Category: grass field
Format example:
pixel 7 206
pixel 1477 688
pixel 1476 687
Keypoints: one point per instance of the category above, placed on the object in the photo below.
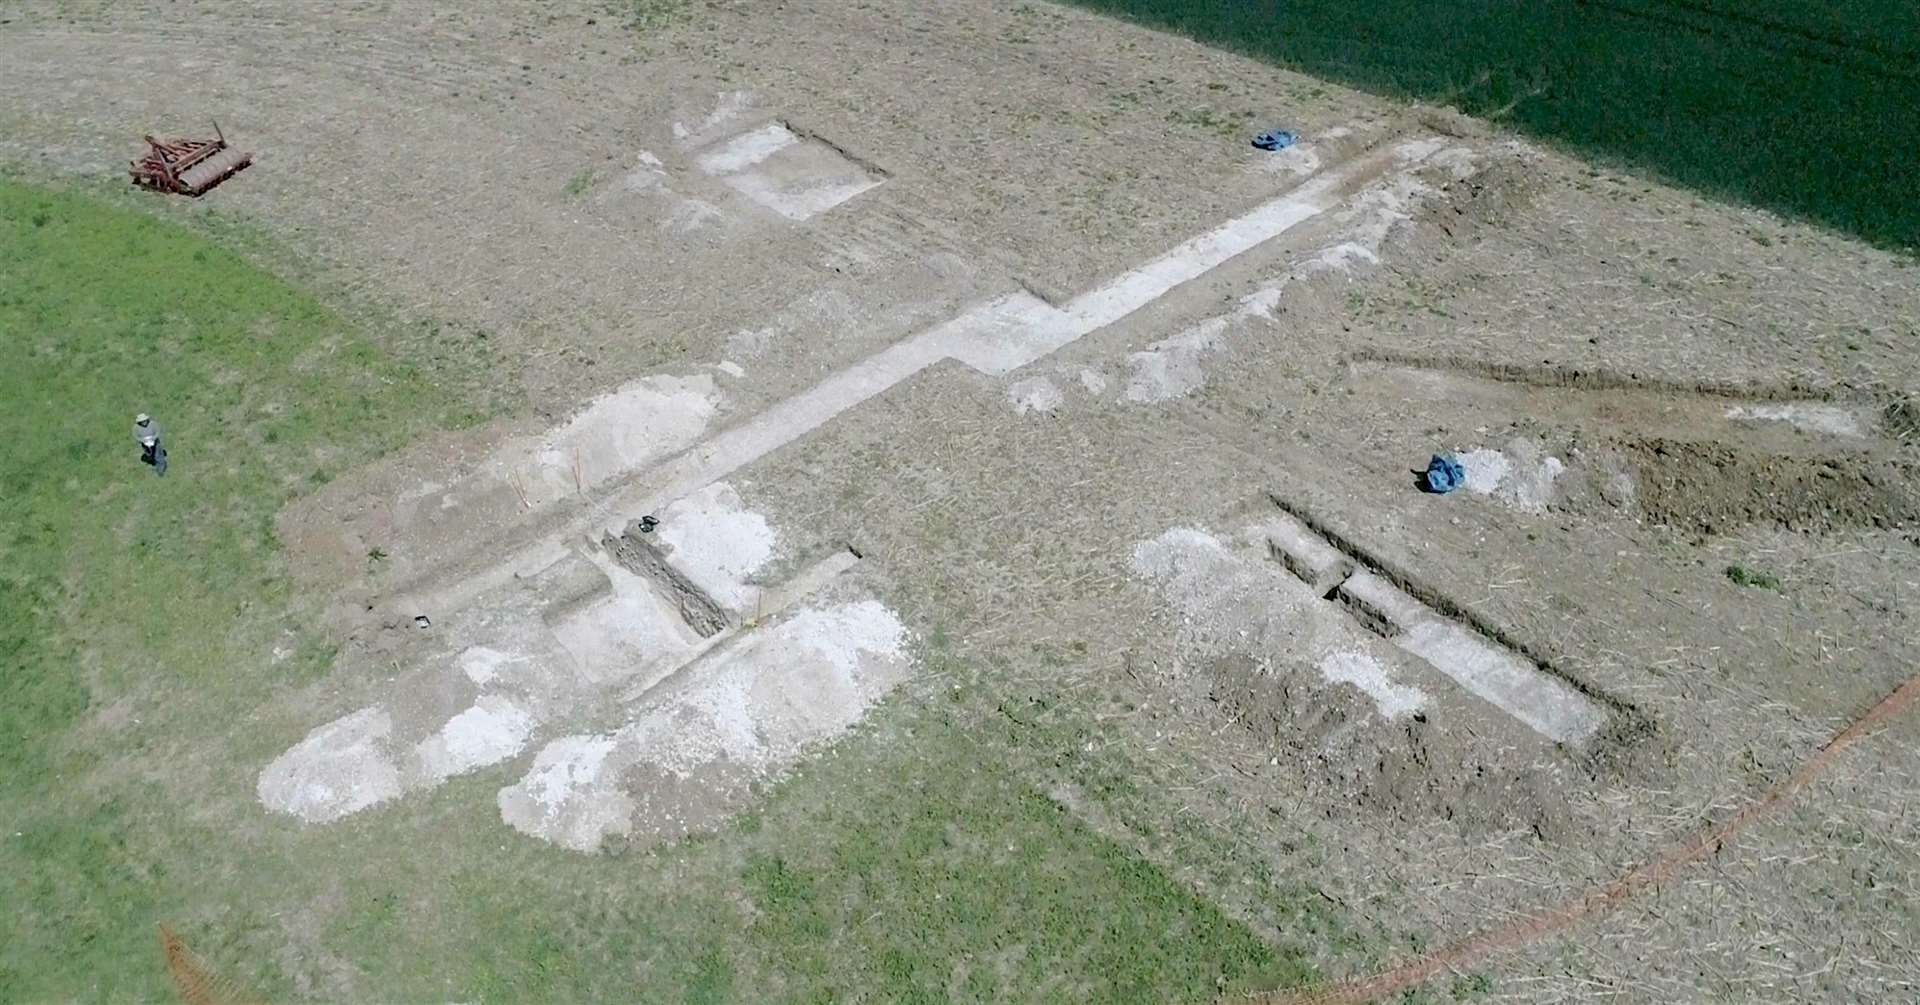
pixel 126 599
pixel 138 616
pixel 1804 108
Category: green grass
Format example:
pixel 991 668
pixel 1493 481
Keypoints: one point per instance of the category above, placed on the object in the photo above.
pixel 114 579
pixel 652 15
pixel 1740 575
pixel 138 702
pixel 118 588
pixel 1470 986
pixel 1804 108
pixel 900 869
pixel 578 185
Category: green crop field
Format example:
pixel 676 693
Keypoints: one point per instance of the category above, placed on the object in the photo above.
pixel 1809 109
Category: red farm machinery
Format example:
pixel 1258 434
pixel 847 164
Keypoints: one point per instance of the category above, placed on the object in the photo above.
pixel 188 167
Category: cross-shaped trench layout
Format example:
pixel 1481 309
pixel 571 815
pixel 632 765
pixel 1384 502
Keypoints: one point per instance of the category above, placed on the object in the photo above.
pixel 646 665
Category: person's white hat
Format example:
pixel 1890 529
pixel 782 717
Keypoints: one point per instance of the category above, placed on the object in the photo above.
pixel 143 418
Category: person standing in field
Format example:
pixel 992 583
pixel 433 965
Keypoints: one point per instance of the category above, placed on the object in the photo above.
pixel 146 432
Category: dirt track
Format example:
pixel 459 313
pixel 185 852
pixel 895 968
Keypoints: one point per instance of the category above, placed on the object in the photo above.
pixel 549 182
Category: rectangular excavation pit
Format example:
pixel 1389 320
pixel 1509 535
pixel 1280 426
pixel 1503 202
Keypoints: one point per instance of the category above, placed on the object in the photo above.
pixel 796 176
pixel 1385 609
pixel 643 558
pixel 1305 554
pixel 1510 681
pixel 1362 608
pixel 775 600
pixel 1494 672
pixel 567 586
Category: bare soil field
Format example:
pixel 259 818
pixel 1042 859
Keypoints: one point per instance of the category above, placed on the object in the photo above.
pixel 903 379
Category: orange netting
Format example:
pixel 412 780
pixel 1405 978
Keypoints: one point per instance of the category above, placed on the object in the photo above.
pixel 194 981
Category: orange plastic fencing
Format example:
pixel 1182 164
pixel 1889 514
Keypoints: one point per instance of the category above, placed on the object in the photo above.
pixel 194 981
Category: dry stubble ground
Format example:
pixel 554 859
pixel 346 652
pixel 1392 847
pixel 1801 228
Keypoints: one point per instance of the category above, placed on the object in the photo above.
pixel 1051 148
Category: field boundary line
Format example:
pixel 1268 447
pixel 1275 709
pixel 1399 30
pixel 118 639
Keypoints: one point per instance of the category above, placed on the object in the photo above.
pixel 1704 842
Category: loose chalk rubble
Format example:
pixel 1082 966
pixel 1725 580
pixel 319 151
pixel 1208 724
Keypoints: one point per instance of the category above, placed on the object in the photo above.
pixel 1233 599
pixel 718 543
pixel 1366 673
pixel 689 758
pixel 633 426
pixel 1170 368
pixel 534 652
pixel 1521 477
pixel 1814 417
pixel 1035 394
pixel 493 729
pixel 340 768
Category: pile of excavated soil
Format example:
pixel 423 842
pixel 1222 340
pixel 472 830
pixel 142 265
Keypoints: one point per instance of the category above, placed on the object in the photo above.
pixel 1709 488
pixel 1334 704
pixel 1409 769
pixel 1700 487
